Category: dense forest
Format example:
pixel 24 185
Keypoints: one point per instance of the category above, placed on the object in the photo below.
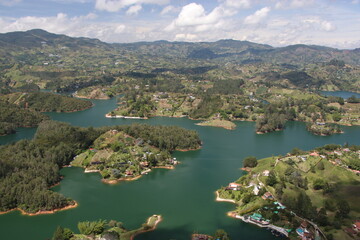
pixel 48 102
pixel 13 116
pixel 28 168
pixel 168 138
pixel 207 107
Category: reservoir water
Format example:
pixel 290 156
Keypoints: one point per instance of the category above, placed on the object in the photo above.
pixel 342 94
pixel 184 196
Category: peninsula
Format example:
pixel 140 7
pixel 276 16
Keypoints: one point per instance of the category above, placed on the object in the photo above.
pixel 305 193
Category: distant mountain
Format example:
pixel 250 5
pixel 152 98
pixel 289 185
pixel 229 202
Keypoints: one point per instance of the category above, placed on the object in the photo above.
pixel 219 51
pixel 38 38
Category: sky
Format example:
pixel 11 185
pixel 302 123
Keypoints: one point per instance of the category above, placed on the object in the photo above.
pixel 333 23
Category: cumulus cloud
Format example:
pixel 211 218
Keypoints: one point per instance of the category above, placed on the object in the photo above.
pixel 168 9
pixel 193 17
pixel 134 10
pixel 116 5
pixel 9 2
pixel 285 4
pixel 257 17
pixel 319 23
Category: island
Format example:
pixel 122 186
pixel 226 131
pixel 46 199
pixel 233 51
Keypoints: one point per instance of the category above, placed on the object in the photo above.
pixel 29 168
pixel 102 229
pixel 270 110
pixel 23 109
pixel 309 194
pixel 119 156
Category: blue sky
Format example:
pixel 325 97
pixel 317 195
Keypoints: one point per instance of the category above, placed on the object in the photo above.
pixel 334 23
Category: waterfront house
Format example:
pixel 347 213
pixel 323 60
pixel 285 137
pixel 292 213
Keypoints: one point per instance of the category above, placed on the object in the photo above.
pixel 234 186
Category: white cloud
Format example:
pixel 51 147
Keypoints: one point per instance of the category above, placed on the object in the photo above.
pixel 320 24
pixel 285 4
pixel 168 9
pixel 355 1
pixel 9 2
pixel 83 26
pixel 257 17
pixel 194 17
pixel 185 37
pixel 72 1
pixel 238 3
pixel 116 5
pixel 134 10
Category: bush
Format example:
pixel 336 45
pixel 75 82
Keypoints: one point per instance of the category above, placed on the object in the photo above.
pixel 250 162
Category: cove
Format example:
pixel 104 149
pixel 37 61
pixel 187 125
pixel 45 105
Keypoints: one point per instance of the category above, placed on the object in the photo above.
pixel 184 196
pixel 342 94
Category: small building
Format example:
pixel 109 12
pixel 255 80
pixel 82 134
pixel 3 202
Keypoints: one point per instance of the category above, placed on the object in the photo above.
pixel 256 189
pixel 304 224
pixel 356 226
pixel 267 195
pixel 234 186
pixel 144 164
pixel 266 173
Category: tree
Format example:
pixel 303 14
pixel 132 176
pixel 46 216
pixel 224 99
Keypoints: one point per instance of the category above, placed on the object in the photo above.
pixel 320 166
pixel 271 179
pixel 296 151
pixel 250 162
pixel 319 184
pixel 220 234
pixel 343 208
pixel 62 234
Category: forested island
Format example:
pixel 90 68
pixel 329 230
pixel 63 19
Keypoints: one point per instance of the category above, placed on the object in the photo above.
pixel 127 152
pixel 12 116
pixel 28 168
pixel 102 229
pixel 306 193
pixel 23 109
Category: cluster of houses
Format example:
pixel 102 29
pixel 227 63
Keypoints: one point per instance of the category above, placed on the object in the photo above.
pixel 303 231
pixel 354 230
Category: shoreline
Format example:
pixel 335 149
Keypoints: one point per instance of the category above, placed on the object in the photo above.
pixel 115 181
pixel 41 212
pixel 165 167
pixel 219 199
pixel 229 125
pixel 189 149
pixel 124 117
pixel 150 229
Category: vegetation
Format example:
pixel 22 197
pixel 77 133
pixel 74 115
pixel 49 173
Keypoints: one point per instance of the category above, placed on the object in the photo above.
pixel 101 229
pixel 13 116
pixel 250 162
pixel 323 129
pixel 47 102
pixel 168 138
pixel 318 185
pixel 28 168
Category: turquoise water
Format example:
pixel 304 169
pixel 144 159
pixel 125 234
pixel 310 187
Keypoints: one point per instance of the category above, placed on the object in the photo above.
pixel 184 196
pixel 342 94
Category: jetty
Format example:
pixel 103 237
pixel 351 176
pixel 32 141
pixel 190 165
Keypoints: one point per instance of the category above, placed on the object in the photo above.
pixel 265 224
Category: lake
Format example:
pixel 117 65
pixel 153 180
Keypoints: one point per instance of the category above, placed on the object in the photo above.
pixel 342 94
pixel 184 197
